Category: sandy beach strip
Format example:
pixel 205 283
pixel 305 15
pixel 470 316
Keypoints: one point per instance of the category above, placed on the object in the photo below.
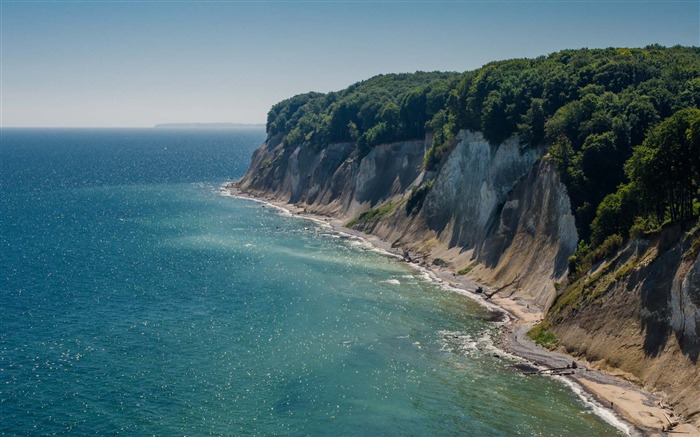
pixel 618 401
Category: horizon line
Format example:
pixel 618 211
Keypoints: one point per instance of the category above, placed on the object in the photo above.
pixel 242 126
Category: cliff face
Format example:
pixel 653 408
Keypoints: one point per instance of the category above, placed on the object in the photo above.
pixel 506 208
pixel 489 207
pixel 335 180
pixel 473 185
pixel 639 313
pixel 502 214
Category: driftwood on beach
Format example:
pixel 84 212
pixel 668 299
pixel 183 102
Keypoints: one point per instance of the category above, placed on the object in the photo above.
pixel 559 371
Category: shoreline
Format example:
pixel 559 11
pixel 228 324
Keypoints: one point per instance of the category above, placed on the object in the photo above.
pixel 619 402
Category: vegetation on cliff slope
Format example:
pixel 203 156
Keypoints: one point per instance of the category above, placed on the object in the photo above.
pixel 648 264
pixel 372 215
pixel 621 125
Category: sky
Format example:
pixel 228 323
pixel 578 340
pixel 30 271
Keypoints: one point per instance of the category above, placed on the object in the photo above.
pixel 139 63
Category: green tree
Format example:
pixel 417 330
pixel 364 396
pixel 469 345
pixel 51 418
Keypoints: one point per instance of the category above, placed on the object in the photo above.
pixel 494 120
pixel 665 168
pixel 615 214
pixel 531 129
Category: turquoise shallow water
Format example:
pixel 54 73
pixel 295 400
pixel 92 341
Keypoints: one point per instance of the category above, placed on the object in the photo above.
pixel 137 300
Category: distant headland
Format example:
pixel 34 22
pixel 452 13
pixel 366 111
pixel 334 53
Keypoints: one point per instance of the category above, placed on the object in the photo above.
pixel 209 126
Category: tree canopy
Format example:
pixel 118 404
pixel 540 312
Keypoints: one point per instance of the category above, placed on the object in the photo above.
pixel 385 108
pixel 619 123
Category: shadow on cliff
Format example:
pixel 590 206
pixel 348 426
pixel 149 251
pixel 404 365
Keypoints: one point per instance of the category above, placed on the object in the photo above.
pixel 656 335
pixel 657 287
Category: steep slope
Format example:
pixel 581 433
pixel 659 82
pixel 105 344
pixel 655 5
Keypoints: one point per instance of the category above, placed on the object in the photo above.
pixel 639 313
pixel 334 180
pixel 500 205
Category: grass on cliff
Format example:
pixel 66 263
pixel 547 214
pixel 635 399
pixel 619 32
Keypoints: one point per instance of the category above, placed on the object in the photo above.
pixel 694 233
pixel 694 249
pixel 372 215
pixel 467 269
pixel 589 288
pixel 584 259
pixel 541 335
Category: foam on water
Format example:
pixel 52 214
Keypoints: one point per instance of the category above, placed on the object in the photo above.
pixel 480 343
pixel 281 211
pixel 430 276
pixel 595 406
pixel 359 243
pixel 470 343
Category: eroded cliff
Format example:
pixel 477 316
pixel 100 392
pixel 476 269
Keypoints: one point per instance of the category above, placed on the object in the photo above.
pixel 336 180
pixel 502 216
pixel 487 209
pixel 639 313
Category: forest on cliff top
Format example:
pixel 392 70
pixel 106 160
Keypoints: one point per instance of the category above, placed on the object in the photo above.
pixel 622 126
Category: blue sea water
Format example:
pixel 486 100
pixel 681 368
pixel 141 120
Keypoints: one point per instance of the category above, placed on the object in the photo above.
pixel 136 300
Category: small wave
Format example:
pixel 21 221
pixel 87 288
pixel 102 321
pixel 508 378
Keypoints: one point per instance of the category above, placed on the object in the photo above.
pixel 225 193
pixel 480 343
pixel 392 281
pixel 385 252
pixel 425 276
pixel 463 342
pixel 598 410
pixel 429 276
pixel 360 244
pixel 469 344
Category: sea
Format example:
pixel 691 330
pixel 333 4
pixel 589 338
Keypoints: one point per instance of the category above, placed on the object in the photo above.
pixel 136 299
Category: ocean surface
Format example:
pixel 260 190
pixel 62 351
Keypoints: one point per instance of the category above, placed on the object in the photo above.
pixel 135 299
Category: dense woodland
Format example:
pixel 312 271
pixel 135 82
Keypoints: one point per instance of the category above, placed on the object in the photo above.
pixel 622 125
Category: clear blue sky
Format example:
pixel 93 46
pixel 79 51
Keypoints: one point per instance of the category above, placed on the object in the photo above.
pixel 138 63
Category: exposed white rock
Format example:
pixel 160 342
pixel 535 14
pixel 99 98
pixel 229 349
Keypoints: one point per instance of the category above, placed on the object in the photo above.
pixel 474 183
pixel 685 293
